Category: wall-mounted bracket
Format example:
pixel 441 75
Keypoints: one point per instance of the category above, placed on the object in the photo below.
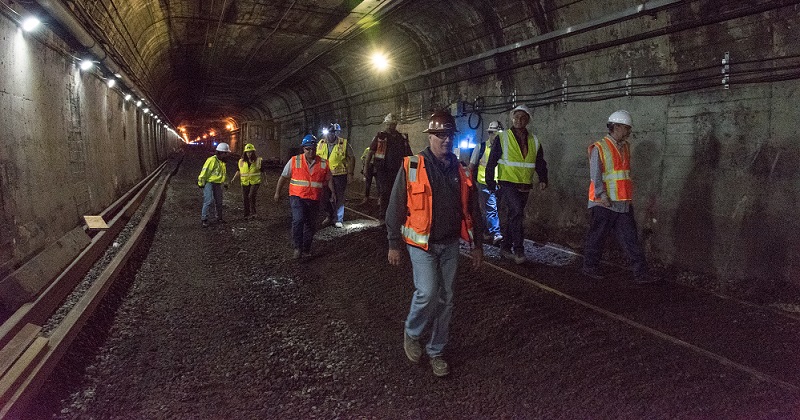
pixel 726 70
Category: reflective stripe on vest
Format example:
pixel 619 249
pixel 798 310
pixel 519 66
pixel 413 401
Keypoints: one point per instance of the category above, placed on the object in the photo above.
pixel 337 158
pixel 380 153
pixel 305 184
pixel 417 228
pixel 482 163
pixel 512 167
pixel 616 171
pixel 250 173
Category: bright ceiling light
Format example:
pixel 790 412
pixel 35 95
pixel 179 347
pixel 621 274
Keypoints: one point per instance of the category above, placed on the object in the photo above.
pixel 138 103
pixel 30 24
pixel 380 61
pixel 128 97
pixel 86 64
pixel 111 82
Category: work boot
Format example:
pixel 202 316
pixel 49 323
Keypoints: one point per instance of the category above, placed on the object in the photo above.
pixel 498 239
pixel 296 254
pixel 412 347
pixel 507 254
pixel 205 223
pixel 519 256
pixel 440 367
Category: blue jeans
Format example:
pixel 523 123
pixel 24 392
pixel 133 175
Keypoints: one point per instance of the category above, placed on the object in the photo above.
pixel 304 222
pixel 488 201
pixel 514 201
pixel 432 303
pixel 212 195
pixel 336 210
pixel 602 221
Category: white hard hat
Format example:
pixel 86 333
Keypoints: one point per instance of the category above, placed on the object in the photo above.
pixel 621 117
pixel 223 147
pixel 522 108
pixel 495 126
pixel 390 118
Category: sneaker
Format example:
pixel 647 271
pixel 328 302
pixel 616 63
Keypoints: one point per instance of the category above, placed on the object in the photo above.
pixel 205 223
pixel 593 273
pixel 412 347
pixel 338 224
pixel 519 257
pixel 497 240
pixel 507 254
pixel 440 367
pixel 296 254
pixel 646 279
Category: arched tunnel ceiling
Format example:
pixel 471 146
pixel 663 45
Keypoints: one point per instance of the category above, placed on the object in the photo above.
pixel 201 62
pixel 208 60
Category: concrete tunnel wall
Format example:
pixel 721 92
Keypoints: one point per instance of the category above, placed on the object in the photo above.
pixel 714 168
pixel 70 144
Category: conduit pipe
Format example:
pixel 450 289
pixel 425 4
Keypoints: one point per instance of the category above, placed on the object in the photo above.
pixel 56 10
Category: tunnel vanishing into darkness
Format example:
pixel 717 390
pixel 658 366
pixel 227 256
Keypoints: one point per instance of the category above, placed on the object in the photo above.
pixel 712 87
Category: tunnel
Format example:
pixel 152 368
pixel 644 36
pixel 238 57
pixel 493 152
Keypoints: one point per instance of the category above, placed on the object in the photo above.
pixel 99 98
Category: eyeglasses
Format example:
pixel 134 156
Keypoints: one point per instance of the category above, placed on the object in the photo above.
pixel 308 148
pixel 442 136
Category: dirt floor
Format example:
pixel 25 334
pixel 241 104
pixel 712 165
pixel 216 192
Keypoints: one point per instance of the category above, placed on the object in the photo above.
pixel 221 323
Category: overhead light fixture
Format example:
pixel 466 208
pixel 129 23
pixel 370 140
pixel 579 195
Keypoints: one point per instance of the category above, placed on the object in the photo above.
pixel 30 23
pixel 128 97
pixel 111 82
pixel 86 64
pixel 139 103
pixel 380 61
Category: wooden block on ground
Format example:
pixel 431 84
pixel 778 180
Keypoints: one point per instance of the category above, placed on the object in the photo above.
pixel 12 351
pixel 19 371
pixel 95 222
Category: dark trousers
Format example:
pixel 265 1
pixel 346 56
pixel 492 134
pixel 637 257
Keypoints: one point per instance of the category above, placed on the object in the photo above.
pixel 370 173
pixel 384 180
pixel 249 194
pixel 513 201
pixel 335 211
pixel 602 221
pixel 304 222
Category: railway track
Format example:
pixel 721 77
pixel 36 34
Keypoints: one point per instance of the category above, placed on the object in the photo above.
pixel 717 356
pixel 29 352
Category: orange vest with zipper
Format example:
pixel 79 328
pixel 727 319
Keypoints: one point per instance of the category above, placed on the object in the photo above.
pixel 417 228
pixel 616 170
pixel 305 184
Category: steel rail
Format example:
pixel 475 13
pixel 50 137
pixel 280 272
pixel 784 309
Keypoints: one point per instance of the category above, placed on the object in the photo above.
pixel 32 368
pixel 764 377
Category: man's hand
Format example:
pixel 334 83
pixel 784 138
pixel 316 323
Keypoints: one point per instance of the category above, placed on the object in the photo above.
pixel 477 257
pixel 605 201
pixel 542 186
pixel 226 184
pixel 349 178
pixel 394 257
pixel 277 196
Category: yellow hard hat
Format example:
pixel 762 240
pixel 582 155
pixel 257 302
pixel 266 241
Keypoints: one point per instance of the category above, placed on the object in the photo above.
pixel 249 147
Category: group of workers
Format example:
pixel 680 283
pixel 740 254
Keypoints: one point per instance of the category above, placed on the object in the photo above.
pixel 430 202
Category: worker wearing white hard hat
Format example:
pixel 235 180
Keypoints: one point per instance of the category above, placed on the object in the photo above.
pixel 386 153
pixel 487 197
pixel 611 198
pixel 211 179
pixel 517 156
